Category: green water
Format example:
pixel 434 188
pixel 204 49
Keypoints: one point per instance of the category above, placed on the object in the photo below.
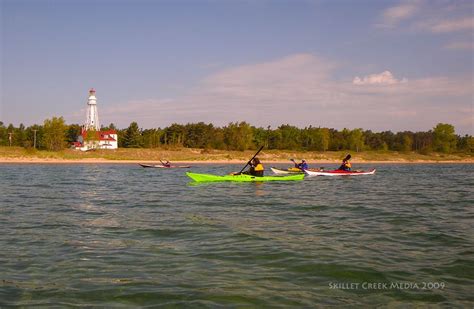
pixel 124 236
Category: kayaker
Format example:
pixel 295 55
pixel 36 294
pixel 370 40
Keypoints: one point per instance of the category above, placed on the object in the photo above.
pixel 166 164
pixel 302 166
pixel 256 168
pixel 346 165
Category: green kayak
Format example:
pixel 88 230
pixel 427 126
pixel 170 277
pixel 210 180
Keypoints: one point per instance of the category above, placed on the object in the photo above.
pixel 241 178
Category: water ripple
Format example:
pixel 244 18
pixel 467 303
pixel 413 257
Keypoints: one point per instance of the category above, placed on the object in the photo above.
pixel 123 236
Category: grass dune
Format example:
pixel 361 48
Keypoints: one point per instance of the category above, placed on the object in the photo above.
pixel 19 154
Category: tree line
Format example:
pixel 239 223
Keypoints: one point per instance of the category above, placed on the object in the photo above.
pixel 54 134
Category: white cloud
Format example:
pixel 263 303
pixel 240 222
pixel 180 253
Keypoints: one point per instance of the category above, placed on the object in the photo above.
pixel 395 14
pixel 294 76
pixel 384 78
pixel 469 45
pixel 300 90
pixel 432 17
pixel 460 24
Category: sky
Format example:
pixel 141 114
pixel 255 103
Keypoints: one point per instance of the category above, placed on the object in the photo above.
pixel 376 65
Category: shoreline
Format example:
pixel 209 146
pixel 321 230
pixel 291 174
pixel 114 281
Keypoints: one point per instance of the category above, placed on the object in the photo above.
pixel 233 161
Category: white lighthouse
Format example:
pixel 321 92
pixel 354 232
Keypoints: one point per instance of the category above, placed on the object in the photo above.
pixel 92 121
pixel 91 136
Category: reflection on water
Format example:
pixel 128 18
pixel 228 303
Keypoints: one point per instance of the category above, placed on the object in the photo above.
pixel 121 236
pixel 259 189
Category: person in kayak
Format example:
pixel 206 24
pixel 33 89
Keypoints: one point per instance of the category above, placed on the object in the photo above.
pixel 256 168
pixel 166 163
pixel 346 165
pixel 302 166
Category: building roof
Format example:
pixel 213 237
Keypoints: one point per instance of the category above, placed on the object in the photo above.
pixel 108 135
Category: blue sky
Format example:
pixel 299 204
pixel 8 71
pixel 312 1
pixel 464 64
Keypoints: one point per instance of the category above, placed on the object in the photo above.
pixel 379 65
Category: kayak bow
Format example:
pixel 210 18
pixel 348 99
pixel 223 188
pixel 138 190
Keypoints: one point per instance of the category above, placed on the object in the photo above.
pixel 241 177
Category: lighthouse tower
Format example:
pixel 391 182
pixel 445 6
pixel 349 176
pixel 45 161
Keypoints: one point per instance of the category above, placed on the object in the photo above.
pixel 92 121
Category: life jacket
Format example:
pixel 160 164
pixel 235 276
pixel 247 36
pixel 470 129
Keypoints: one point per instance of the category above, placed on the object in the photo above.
pixel 346 166
pixel 258 167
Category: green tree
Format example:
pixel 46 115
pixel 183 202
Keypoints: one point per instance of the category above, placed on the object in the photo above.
pixel 111 126
pixel 290 137
pixel 121 137
pixel 20 136
pixel 238 136
pixel 274 139
pixel 337 140
pixel 218 139
pixel 374 141
pixel 407 143
pixel 260 136
pixel 403 141
pixel 470 144
pixel 355 140
pixel 73 131
pixel 198 135
pixel 423 142
pixel 388 139
pixel 315 138
pixel 465 143
pixel 54 135
pixel 444 138
pixel 133 136
pixel 174 135
pixel 152 138
pixel 3 135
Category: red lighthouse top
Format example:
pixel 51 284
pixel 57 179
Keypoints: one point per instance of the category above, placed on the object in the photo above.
pixel 92 90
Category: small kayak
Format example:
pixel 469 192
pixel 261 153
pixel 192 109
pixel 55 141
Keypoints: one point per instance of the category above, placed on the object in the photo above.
pixel 338 173
pixel 162 166
pixel 241 178
pixel 291 170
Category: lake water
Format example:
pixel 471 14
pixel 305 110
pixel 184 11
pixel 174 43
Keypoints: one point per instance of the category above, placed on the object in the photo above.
pixel 125 236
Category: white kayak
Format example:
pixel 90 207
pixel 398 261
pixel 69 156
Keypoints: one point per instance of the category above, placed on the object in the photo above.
pixel 338 173
pixel 291 170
